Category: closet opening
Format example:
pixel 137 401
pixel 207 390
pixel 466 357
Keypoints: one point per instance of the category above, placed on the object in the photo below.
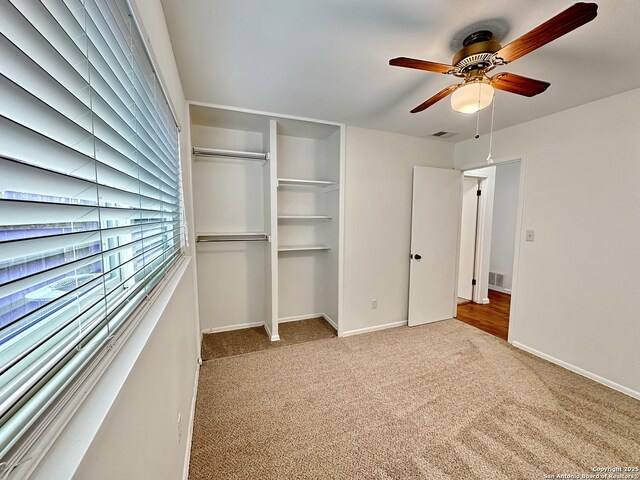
pixel 488 240
pixel 267 195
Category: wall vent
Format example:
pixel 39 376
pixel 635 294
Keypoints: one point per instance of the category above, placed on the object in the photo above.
pixel 496 279
pixel 443 134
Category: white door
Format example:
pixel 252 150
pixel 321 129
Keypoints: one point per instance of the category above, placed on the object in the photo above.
pixel 468 237
pixel 435 237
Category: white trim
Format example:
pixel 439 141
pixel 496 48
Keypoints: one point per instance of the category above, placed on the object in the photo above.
pixel 454 311
pixel 485 301
pixel 339 325
pixel 330 321
pixel 309 316
pixel 272 314
pixel 596 378
pixel 485 177
pixel 228 328
pixel 187 186
pixel 295 318
pixel 146 43
pixel 516 251
pixel 500 289
pixel 192 417
pixel 522 158
pixel 496 161
pixel 483 234
pixel 375 328
pixel 263 113
pixel 272 337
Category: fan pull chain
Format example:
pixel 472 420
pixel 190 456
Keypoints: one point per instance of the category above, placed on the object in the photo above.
pixel 493 110
pixel 477 136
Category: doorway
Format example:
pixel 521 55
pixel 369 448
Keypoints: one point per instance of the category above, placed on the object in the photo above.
pixel 468 239
pixel 487 246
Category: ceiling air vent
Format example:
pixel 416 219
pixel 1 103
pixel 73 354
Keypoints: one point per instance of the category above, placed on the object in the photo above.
pixel 443 134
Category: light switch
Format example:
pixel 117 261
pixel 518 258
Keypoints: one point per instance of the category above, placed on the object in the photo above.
pixel 531 236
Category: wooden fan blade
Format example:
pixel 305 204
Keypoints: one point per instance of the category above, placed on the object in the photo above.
pixel 572 18
pixel 421 65
pixel 436 98
pixel 510 82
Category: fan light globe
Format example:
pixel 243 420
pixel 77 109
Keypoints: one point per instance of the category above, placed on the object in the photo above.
pixel 472 97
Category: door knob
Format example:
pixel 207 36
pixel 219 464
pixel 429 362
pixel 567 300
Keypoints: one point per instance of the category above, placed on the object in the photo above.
pixel 417 256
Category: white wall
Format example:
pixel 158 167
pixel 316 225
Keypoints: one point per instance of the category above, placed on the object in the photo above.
pixel 576 297
pixel 229 197
pixel 308 281
pixel 127 427
pixel 139 437
pixel 505 209
pixel 378 194
pixel 302 275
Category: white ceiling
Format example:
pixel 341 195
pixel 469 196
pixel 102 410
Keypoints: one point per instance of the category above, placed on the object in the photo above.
pixel 328 59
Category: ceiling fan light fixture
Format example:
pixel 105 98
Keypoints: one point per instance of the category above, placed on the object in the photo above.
pixel 472 97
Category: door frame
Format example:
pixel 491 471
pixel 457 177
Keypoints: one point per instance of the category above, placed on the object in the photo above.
pixel 484 218
pixel 519 234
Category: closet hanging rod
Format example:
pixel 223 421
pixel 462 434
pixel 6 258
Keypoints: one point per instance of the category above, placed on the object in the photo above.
pixel 217 152
pixel 231 237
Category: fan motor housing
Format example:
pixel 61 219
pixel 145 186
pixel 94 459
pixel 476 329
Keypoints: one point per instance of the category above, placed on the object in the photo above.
pixel 477 51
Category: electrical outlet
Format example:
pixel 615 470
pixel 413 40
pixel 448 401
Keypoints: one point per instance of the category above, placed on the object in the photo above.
pixel 531 236
pixel 179 427
pixel 374 303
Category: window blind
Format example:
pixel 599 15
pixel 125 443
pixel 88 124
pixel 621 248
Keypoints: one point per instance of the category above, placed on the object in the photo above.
pixel 90 196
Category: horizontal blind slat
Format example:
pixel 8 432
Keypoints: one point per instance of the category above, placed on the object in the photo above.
pixel 78 282
pixel 20 142
pixel 90 196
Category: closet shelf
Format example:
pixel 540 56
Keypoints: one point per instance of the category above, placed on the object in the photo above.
pixel 297 182
pixel 304 217
pixel 302 248
pixel 235 154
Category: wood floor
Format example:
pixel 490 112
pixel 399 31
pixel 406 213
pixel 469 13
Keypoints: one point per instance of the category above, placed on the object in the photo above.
pixel 492 318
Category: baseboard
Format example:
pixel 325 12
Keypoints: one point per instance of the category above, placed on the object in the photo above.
pixel 309 316
pixel 375 328
pixel 596 378
pixel 272 337
pixel 486 301
pixel 300 317
pixel 228 328
pixel 500 289
pixel 330 321
pixel 192 416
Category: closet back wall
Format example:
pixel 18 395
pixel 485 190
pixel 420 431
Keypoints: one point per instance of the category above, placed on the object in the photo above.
pixel 228 197
pixel 378 195
pixel 308 281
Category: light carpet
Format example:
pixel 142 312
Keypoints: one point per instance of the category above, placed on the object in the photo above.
pixel 443 400
pixel 247 340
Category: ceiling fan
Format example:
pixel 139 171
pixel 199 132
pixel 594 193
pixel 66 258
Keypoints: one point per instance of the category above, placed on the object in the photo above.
pixel 481 53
